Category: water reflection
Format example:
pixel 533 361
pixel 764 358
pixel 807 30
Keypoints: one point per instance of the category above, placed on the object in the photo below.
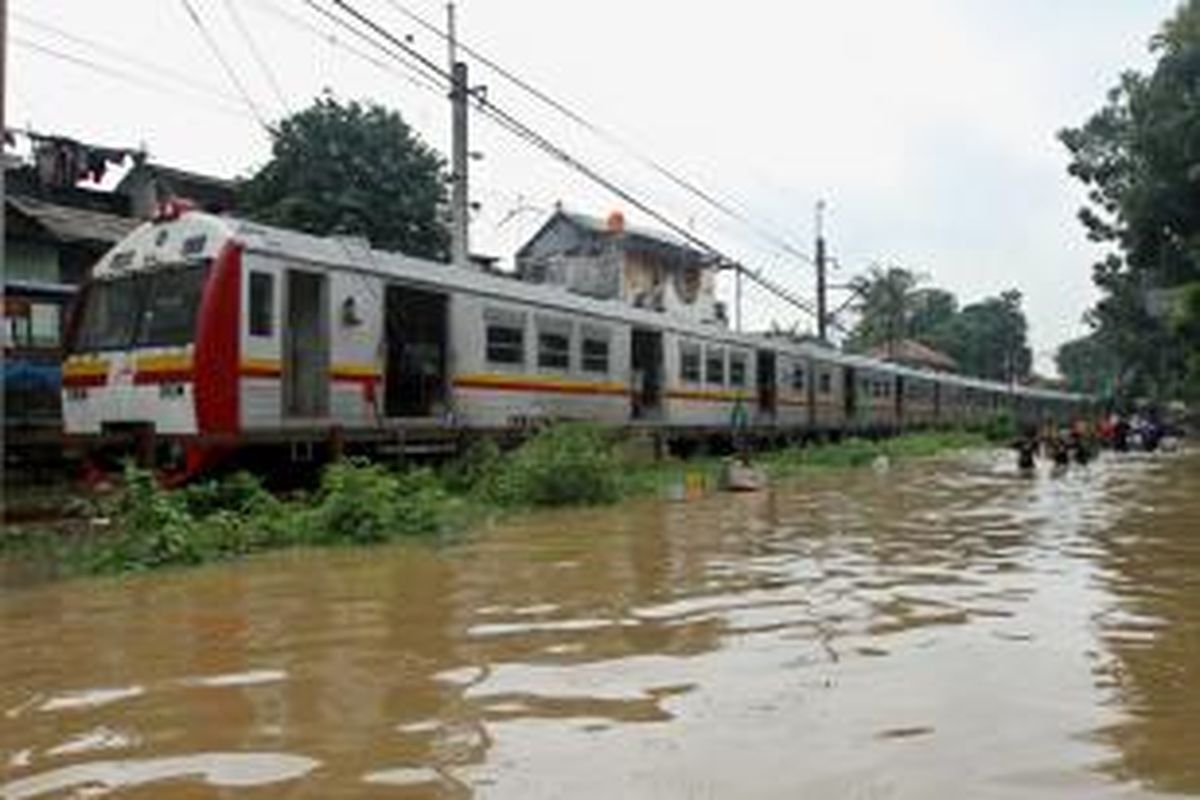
pixel 903 634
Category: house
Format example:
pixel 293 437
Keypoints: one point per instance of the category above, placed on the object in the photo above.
pixel 611 260
pixel 912 353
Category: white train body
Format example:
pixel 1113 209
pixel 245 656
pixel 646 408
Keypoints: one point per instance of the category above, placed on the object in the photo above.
pixel 217 331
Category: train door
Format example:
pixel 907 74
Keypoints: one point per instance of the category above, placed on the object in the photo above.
pixel 898 389
pixel 306 346
pixel 646 363
pixel 850 395
pixel 415 333
pixel 768 389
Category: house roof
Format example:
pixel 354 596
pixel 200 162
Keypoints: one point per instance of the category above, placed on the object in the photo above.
pixel 910 351
pixel 73 224
pixel 638 236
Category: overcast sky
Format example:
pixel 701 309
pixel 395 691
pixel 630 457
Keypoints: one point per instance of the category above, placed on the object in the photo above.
pixel 927 125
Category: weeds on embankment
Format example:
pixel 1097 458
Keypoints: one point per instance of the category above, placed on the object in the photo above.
pixel 357 502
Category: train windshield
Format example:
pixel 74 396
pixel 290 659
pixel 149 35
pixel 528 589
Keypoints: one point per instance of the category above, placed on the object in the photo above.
pixel 154 309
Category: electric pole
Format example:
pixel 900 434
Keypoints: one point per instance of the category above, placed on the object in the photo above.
pixel 459 218
pixel 821 321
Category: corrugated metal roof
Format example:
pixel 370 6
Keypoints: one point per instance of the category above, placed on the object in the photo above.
pixel 74 224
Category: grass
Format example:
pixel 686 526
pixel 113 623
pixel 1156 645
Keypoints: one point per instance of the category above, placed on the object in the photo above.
pixel 360 503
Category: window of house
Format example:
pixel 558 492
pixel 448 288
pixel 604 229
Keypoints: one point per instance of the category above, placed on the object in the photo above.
pixel 714 366
pixel 594 350
pixel 737 369
pixel 825 384
pixel 689 362
pixel 505 334
pixel 262 303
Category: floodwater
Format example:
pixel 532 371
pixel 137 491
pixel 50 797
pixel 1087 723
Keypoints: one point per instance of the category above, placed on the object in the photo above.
pixel 943 629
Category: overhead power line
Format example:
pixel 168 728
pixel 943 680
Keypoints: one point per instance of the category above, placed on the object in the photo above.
pixel 225 65
pixel 727 208
pixel 423 76
pixel 117 54
pixel 118 74
pixel 332 39
pixel 537 140
pixel 265 67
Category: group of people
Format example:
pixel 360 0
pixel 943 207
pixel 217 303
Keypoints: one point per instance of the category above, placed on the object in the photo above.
pixel 1080 442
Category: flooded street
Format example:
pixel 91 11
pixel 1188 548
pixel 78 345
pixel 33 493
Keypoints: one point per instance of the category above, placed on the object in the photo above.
pixel 944 629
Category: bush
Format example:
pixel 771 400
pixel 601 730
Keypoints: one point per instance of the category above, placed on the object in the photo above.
pixel 567 464
pixel 155 528
pixel 361 503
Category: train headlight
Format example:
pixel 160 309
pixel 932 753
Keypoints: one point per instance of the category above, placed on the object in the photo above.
pixel 76 393
pixel 171 390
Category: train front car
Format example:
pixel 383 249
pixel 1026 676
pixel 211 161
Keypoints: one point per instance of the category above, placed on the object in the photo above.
pixel 152 351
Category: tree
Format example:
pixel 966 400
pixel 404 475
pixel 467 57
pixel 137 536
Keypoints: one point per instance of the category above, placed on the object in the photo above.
pixel 1139 157
pixel 932 311
pixel 352 169
pixel 1089 364
pixel 988 339
pixel 885 307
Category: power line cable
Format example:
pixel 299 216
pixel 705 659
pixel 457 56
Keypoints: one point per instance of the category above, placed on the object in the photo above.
pixel 270 7
pixel 117 74
pixel 265 67
pixel 691 187
pixel 225 65
pixel 433 76
pixel 537 140
pixel 159 70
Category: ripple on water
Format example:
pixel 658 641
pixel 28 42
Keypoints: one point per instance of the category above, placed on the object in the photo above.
pixel 216 769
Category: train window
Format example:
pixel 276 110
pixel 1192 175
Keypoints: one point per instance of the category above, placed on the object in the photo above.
pixel 826 383
pixel 554 343
pixel 595 350
pixel 798 377
pixel 737 369
pixel 110 314
pixel 169 314
pixel 262 303
pixel 689 362
pixel 554 350
pixel 714 366
pixel 505 336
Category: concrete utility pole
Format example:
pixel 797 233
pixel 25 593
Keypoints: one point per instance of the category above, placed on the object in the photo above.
pixel 821 321
pixel 459 218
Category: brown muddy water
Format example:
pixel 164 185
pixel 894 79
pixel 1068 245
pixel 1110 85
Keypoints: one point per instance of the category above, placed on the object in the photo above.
pixel 944 629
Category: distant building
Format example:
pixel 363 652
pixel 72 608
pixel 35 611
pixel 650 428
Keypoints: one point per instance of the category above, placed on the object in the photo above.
pixel 912 353
pixel 610 260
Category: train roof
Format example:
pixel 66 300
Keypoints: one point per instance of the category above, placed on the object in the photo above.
pixel 194 236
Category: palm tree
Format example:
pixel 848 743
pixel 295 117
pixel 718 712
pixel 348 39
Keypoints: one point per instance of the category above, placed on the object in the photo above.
pixel 885 306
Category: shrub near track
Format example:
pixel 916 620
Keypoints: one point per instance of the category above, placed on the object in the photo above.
pixel 360 503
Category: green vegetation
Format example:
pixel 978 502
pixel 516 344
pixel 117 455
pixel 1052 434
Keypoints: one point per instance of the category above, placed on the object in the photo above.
pixel 348 168
pixel 987 339
pixel 1138 158
pixel 359 503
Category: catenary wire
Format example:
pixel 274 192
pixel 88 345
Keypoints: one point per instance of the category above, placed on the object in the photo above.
pixel 121 75
pixel 225 65
pixel 259 59
pixel 727 208
pixel 524 132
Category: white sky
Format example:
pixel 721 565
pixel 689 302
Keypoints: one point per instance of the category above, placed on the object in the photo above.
pixel 927 125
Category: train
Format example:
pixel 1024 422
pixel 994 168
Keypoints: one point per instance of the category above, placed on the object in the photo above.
pixel 205 337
